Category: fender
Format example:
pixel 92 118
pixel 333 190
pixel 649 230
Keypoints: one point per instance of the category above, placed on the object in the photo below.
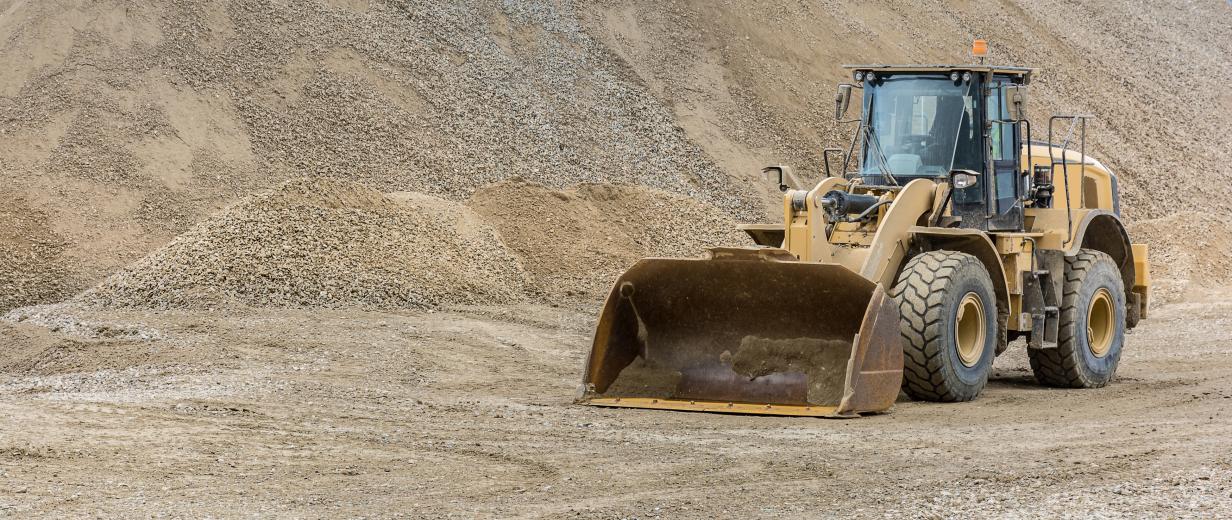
pixel 1101 230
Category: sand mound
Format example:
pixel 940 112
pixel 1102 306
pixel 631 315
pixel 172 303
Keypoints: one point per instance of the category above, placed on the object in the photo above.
pixel 574 243
pixel 1188 250
pixel 32 264
pixel 130 122
pixel 324 243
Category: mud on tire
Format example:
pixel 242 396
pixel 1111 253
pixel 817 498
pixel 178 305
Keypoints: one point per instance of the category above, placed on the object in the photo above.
pixel 930 292
pixel 1074 363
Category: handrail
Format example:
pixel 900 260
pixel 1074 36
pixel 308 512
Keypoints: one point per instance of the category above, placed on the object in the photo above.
pixel 1076 122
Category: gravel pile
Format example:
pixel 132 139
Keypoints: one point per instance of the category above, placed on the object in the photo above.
pixel 1187 250
pixel 323 243
pixel 747 92
pixel 472 91
pixel 574 243
pixel 32 262
pixel 142 119
pixel 171 110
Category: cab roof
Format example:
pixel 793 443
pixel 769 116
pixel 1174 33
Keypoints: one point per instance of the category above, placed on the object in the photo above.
pixel 1025 72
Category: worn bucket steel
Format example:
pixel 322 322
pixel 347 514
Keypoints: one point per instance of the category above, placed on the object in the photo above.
pixel 746 331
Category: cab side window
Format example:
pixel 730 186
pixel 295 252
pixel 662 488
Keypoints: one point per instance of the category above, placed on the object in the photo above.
pixel 1001 134
pixel 1002 137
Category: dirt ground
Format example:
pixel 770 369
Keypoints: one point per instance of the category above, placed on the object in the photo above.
pixel 467 413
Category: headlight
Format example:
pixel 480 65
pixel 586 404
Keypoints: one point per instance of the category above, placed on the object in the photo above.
pixel 859 76
pixel 870 76
pixel 964 180
pixel 954 76
pixel 966 77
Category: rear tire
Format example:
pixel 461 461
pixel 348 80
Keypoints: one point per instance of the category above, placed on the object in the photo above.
pixel 948 313
pixel 1092 328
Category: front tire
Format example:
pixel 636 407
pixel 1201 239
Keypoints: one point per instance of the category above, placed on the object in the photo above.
pixel 948 314
pixel 1092 328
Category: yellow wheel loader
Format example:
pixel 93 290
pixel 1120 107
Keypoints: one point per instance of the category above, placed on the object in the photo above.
pixel 947 234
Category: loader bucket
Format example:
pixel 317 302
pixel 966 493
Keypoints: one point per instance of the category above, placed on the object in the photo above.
pixel 746 331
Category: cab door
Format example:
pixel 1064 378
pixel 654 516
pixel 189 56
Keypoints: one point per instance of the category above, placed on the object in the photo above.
pixel 1003 143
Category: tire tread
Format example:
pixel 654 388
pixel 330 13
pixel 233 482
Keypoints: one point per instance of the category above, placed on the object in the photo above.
pixel 1058 367
pixel 919 292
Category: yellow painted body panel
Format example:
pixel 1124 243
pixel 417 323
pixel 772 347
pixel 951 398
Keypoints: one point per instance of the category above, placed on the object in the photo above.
pixel 874 251
pixel 1016 250
pixel 1089 182
pixel 1086 182
pixel 803 226
pixel 1142 276
pixel 877 249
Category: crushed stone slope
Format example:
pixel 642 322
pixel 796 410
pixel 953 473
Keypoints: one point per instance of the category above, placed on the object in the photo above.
pixel 324 243
pixel 33 265
pixel 1188 251
pixel 128 123
pixel 755 79
pixel 575 242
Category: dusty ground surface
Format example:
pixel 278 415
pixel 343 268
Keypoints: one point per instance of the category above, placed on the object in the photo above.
pixel 467 413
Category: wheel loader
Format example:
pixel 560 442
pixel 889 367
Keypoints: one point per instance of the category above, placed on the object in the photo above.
pixel 945 234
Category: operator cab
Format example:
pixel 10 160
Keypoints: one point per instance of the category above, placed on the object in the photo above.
pixel 950 123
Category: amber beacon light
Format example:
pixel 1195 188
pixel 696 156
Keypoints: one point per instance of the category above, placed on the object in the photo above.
pixel 979 49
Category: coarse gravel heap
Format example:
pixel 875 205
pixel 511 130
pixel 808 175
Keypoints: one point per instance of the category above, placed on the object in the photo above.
pixel 324 243
pixel 574 243
pixel 33 265
pixel 1188 251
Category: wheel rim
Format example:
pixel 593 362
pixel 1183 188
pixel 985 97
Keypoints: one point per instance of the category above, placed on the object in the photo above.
pixel 969 330
pixel 1101 326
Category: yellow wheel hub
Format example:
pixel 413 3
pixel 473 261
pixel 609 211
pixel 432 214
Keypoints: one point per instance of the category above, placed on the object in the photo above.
pixel 1101 326
pixel 969 329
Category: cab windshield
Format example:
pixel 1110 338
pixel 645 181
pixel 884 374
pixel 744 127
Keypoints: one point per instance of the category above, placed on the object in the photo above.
pixel 919 126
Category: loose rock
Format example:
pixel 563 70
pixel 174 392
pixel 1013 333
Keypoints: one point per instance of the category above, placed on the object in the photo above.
pixel 324 243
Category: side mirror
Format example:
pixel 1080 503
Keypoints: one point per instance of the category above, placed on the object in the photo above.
pixel 1017 97
pixel 842 100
